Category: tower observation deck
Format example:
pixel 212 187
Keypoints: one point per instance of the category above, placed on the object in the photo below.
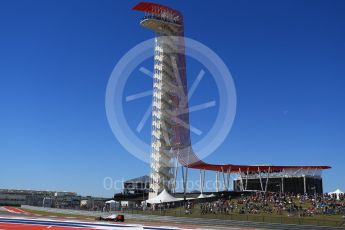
pixel 170 135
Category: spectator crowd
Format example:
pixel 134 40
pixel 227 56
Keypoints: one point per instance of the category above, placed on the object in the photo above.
pixel 275 203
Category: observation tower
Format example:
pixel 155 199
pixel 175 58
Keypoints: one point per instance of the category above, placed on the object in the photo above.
pixel 170 117
pixel 170 134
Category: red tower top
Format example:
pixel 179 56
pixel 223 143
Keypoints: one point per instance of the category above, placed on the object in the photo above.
pixel 157 9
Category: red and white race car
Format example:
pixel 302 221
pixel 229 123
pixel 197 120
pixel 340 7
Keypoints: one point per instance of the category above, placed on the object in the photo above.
pixel 112 217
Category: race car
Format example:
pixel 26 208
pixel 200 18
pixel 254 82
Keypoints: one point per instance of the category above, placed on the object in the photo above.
pixel 112 217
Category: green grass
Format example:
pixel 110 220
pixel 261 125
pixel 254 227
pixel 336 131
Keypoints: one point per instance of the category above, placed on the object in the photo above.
pixel 47 213
pixel 320 220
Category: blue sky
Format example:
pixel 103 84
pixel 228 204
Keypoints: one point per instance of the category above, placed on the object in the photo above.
pixel 287 59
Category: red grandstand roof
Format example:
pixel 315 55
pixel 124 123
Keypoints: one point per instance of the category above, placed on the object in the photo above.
pixel 250 168
pixel 188 158
pixel 155 8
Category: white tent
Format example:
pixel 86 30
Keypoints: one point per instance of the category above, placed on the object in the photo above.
pixel 202 196
pixel 112 205
pixel 110 202
pixel 163 197
pixel 337 193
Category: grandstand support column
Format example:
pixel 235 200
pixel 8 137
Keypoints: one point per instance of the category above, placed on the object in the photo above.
pixel 225 186
pixel 247 178
pixel 259 172
pixel 282 184
pixel 217 181
pixel 184 178
pixel 241 179
pixel 268 176
pixel 305 184
pixel 202 181
pixel 175 176
pixel 283 175
pixel 228 174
